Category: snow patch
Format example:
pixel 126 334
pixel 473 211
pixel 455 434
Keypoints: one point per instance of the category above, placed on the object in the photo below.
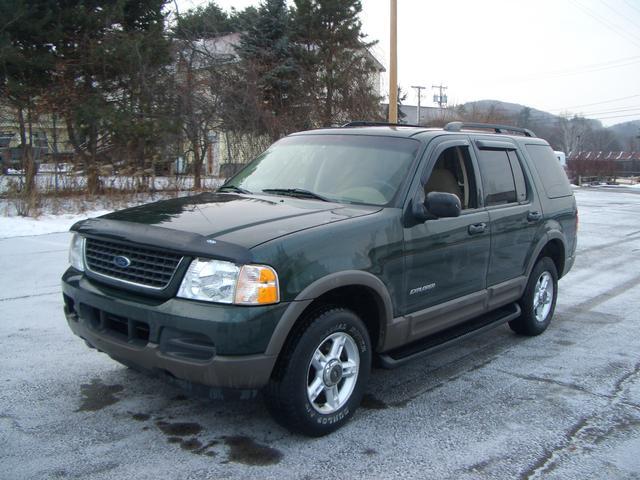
pixel 23 226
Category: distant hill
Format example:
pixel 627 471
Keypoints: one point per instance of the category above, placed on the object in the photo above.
pixel 628 134
pixel 506 108
pixel 589 135
pixel 515 109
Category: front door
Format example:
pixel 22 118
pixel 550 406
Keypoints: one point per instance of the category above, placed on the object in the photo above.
pixel 447 258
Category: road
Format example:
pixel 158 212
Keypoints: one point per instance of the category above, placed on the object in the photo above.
pixel 564 405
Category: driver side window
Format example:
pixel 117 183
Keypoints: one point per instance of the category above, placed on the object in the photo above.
pixel 453 173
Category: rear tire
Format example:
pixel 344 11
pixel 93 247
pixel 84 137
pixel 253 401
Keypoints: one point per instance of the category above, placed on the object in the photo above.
pixel 539 299
pixel 320 378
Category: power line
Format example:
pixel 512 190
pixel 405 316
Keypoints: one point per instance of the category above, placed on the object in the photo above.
pixel 583 70
pixel 617 12
pixel 611 26
pixel 602 65
pixel 553 122
pixel 619 116
pixel 595 103
pixel 618 110
pixel 540 119
pixel 597 16
pixel 635 7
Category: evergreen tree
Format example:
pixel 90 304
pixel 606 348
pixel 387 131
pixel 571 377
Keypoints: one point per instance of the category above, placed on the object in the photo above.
pixel 337 65
pixel 268 73
pixel 211 21
pixel 107 60
pixel 94 63
pixel 203 22
pixel 27 61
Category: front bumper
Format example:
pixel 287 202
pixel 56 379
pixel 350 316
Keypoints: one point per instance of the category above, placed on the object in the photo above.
pixel 207 344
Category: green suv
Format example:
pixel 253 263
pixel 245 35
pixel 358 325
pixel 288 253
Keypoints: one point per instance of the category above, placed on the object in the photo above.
pixel 334 249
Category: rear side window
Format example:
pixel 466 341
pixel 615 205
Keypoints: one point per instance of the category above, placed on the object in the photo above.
pixel 554 180
pixel 497 177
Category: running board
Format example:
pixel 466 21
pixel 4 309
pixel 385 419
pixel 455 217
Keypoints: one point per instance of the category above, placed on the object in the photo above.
pixel 441 340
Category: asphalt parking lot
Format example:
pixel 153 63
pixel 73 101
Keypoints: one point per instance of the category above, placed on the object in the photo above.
pixel 565 404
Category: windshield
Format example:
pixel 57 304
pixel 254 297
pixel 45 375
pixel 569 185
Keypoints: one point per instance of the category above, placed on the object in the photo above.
pixel 338 168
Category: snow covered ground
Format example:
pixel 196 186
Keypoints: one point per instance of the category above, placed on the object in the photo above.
pixel 564 405
pixel 23 226
pixel 12 225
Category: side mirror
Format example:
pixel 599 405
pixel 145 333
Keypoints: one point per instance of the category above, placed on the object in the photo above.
pixel 443 205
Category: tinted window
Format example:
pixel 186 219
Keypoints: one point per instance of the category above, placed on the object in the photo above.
pixel 342 168
pixel 497 179
pixel 518 176
pixel 554 180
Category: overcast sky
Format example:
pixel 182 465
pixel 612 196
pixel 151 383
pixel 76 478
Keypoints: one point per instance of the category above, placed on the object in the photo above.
pixel 578 56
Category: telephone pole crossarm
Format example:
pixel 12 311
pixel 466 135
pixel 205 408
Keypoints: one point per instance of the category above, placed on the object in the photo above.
pixel 440 98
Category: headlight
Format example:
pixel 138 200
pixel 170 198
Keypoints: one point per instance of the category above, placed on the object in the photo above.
pixel 226 282
pixel 76 252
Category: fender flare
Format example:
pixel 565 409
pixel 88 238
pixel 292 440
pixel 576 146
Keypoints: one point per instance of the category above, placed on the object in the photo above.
pixel 346 278
pixel 546 238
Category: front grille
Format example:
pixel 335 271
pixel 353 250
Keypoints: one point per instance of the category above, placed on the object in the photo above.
pixel 149 267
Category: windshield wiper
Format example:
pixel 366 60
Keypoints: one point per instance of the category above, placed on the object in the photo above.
pixel 233 188
pixel 296 192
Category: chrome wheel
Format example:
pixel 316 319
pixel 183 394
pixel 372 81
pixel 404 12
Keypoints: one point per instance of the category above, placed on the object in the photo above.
pixel 333 372
pixel 543 296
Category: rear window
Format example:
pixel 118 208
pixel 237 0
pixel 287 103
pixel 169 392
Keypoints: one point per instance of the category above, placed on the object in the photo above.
pixel 554 179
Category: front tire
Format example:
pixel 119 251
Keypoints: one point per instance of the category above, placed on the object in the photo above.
pixel 539 299
pixel 320 378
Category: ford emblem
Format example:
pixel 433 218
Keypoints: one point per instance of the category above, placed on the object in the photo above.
pixel 122 262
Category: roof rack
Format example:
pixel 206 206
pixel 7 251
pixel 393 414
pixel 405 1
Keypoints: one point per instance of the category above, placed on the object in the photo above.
pixel 365 123
pixel 458 126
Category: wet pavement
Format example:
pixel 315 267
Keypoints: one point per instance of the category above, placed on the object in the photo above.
pixel 565 404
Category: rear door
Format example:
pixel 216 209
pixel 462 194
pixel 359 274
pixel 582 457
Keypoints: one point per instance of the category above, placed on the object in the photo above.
pixel 514 210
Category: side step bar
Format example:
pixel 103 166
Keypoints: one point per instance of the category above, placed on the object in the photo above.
pixel 439 341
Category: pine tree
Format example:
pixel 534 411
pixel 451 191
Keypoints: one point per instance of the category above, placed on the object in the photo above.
pixel 337 65
pixel 268 73
pixel 107 57
pixel 203 22
pixel 27 64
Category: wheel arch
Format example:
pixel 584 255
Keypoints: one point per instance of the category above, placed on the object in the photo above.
pixel 552 245
pixel 362 292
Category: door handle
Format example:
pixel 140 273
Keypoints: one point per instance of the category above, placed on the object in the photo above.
pixel 534 216
pixel 477 228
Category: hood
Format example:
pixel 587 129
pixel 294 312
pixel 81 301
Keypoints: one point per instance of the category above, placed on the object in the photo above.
pixel 243 220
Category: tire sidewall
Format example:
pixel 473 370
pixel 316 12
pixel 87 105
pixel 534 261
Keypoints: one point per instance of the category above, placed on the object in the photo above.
pixel 326 324
pixel 545 264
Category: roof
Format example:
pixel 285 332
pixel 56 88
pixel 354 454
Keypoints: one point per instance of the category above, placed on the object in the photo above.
pixel 225 47
pixel 599 155
pixel 388 131
pixel 409 131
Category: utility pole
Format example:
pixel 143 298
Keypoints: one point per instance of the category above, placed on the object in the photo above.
pixel 440 98
pixel 393 64
pixel 419 89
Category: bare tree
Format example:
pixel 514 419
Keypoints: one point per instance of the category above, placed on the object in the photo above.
pixel 198 86
pixel 572 133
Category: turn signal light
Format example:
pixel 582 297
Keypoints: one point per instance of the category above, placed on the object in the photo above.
pixel 257 285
